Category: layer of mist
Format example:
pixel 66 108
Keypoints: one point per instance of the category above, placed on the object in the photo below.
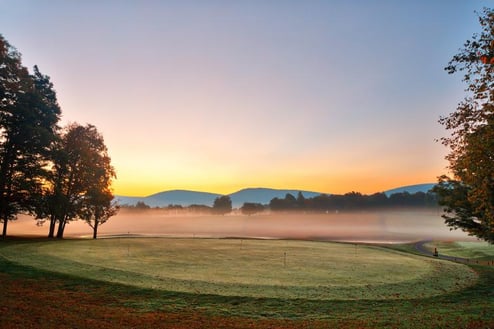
pixel 374 227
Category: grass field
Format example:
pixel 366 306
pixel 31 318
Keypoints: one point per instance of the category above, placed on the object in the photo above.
pixel 249 268
pixel 481 251
pixel 250 283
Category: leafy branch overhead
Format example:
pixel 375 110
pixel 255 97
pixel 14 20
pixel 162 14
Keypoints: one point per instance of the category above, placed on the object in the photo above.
pixel 468 196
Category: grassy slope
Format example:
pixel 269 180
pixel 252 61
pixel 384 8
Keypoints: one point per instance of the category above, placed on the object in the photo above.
pixel 481 251
pixel 469 308
pixel 251 268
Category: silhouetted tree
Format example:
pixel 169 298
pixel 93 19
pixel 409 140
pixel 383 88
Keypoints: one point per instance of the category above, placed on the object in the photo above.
pixel 222 205
pixel 199 208
pixel 377 200
pixel 141 205
pixel 468 196
pixel 29 113
pixel 288 203
pixel 355 201
pixel 80 179
pixel 98 205
pixel 300 200
pixel 321 202
pixel 400 199
pixel 249 208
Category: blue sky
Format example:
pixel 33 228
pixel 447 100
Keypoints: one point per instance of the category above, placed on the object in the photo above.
pixel 331 96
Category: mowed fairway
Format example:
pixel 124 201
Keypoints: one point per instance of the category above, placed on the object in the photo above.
pixel 251 268
pixel 482 251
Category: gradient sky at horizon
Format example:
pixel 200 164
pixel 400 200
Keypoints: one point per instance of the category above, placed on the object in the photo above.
pixel 217 95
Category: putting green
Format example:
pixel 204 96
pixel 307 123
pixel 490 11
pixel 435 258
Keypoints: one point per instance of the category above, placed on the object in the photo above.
pixel 254 268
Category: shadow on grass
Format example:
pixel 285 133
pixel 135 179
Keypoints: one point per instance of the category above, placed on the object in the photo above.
pixel 469 308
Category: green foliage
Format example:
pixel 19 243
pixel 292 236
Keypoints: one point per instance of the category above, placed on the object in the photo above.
pixel 459 212
pixel 468 197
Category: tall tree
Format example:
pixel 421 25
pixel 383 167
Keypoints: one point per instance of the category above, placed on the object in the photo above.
pixel 80 180
pixel 468 196
pixel 29 113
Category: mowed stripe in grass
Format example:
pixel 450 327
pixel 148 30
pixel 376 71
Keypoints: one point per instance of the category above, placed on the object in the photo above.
pixel 252 268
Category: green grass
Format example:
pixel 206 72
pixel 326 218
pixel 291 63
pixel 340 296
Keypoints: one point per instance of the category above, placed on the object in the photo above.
pixel 470 306
pixel 470 250
pixel 249 268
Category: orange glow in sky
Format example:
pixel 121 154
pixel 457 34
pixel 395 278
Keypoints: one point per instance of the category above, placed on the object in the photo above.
pixel 328 96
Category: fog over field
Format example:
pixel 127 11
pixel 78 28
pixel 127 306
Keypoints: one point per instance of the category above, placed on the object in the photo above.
pixel 377 226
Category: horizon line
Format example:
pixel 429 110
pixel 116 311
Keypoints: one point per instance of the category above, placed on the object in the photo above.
pixel 266 188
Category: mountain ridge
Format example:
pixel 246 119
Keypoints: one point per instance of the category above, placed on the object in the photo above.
pixel 411 188
pixel 261 195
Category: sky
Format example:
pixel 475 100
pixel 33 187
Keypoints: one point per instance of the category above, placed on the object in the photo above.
pixel 220 95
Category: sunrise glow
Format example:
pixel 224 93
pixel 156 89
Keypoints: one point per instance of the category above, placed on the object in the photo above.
pixel 218 96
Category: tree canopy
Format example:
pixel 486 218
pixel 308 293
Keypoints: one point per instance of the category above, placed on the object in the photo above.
pixel 79 184
pixel 353 201
pixel 468 193
pixel 60 175
pixel 222 205
pixel 29 114
pixel 251 208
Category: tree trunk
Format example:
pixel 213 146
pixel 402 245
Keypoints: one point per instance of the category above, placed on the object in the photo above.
pixel 4 232
pixel 53 221
pixel 95 229
pixel 61 228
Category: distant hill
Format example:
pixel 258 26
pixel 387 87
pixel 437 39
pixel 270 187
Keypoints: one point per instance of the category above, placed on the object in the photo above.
pixel 187 198
pixel 411 189
pixel 254 195
pixel 176 197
